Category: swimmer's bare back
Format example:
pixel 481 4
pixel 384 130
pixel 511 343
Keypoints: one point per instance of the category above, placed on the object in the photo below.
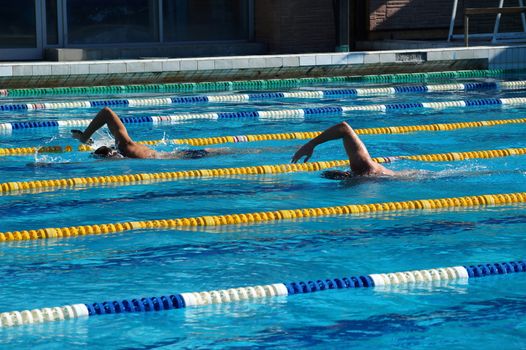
pixel 136 150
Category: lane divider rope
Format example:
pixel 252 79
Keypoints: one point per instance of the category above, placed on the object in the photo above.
pixel 400 129
pixel 299 113
pixel 254 84
pixel 195 299
pixel 310 94
pixel 263 217
pixel 205 141
pixel 131 179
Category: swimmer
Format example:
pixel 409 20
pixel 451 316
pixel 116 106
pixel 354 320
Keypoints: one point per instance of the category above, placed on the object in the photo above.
pixel 125 147
pixel 359 159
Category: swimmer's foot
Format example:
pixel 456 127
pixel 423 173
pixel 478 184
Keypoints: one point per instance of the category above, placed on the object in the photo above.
pixel 79 135
pixel 336 174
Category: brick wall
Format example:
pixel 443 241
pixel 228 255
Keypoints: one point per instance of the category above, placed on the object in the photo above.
pixel 389 15
pixel 295 26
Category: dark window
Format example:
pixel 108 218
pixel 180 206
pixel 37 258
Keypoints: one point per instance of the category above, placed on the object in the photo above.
pixel 51 22
pixel 112 21
pixel 205 20
pixel 18 24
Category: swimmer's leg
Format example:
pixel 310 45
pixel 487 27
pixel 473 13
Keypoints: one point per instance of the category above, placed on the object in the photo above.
pixel 208 152
pixel 228 150
pixel 194 153
pixel 218 151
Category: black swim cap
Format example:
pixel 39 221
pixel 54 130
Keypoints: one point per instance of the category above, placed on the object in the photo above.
pixel 103 151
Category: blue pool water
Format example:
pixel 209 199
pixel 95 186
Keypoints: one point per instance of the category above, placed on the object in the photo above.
pixel 488 311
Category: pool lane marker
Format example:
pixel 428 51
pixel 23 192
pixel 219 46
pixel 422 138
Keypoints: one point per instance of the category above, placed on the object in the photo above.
pixel 401 129
pixel 262 96
pixel 283 114
pixel 132 179
pixel 204 141
pixel 255 84
pixel 195 299
pixel 263 217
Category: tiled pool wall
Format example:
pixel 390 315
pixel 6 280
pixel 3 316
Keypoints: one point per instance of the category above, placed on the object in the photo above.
pixel 89 73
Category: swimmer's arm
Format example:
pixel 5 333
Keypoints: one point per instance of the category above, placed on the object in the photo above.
pixel 105 117
pixel 335 132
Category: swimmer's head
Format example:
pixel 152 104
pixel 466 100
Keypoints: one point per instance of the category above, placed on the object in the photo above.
pixel 106 152
pixel 336 175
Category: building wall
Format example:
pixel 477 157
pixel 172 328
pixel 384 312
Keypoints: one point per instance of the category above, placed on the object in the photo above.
pixel 406 14
pixel 430 19
pixel 295 26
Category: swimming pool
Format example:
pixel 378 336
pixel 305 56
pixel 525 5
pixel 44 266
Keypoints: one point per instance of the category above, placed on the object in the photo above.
pixel 153 262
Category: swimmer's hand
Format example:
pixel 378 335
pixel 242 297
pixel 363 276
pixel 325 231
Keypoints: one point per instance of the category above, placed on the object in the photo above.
pixel 305 151
pixel 79 135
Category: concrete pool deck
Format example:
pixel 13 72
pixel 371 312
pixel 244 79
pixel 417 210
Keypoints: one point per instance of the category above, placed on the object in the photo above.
pixel 166 70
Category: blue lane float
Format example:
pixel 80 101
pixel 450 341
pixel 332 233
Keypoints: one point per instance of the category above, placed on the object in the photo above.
pixel 299 113
pixel 302 94
pixel 183 300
